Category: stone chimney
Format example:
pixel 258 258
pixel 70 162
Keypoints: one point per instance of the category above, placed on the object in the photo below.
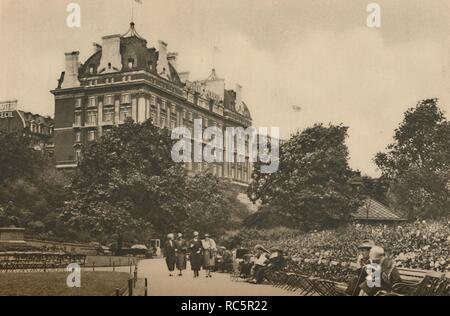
pixel 111 59
pixel 238 97
pixel 163 64
pixel 172 58
pixel 71 75
pixel 184 76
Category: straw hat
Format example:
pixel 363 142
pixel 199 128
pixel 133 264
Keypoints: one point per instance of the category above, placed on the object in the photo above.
pixel 367 244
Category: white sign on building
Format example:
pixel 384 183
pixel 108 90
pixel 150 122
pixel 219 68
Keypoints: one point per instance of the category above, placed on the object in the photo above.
pixel 8 106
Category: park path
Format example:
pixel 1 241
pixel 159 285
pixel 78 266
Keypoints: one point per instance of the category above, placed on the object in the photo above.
pixel 160 284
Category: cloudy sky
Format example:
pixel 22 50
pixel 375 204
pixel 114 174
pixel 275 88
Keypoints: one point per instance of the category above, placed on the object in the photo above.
pixel 315 54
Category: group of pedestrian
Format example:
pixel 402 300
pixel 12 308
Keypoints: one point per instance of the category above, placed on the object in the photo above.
pixel 200 251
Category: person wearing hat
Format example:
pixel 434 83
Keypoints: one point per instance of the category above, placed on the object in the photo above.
pixel 181 250
pixel 170 253
pixel 227 258
pixel 275 262
pixel 363 252
pixel 196 254
pixel 261 257
pixel 381 267
pixel 209 254
pixel 362 261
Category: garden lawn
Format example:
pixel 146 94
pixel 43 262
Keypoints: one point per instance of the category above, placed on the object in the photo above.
pixel 54 284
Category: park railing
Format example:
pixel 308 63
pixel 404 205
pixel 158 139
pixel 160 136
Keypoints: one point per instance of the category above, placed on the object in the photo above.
pixel 133 287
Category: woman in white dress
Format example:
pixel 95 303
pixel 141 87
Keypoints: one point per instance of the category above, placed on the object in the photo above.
pixel 209 254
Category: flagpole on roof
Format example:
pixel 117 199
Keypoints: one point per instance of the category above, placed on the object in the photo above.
pixel 132 10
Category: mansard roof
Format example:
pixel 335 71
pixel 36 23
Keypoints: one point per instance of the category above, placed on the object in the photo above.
pixel 132 46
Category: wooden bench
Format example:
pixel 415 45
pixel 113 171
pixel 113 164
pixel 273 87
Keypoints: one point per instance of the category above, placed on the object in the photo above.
pixel 421 283
pixel 306 285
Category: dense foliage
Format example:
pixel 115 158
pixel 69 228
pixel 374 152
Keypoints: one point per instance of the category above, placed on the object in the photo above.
pixel 128 182
pixel 331 254
pixel 32 191
pixel 417 162
pixel 312 187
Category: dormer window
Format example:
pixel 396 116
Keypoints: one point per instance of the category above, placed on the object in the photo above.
pixel 130 63
pixel 150 65
pixel 91 69
pixel 109 66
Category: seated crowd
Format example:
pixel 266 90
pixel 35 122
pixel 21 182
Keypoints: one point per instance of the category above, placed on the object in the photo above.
pixel 331 255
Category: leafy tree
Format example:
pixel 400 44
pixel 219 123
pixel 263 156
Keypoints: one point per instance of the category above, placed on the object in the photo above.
pixel 31 190
pixel 312 185
pixel 127 180
pixel 125 177
pixel 376 188
pixel 417 162
pixel 213 205
pixel 17 158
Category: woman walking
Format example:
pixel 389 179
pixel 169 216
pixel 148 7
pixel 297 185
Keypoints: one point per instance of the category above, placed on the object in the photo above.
pixel 196 254
pixel 181 249
pixel 209 254
pixel 170 253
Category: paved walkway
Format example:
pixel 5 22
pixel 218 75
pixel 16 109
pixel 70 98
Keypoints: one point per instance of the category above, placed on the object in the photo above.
pixel 160 284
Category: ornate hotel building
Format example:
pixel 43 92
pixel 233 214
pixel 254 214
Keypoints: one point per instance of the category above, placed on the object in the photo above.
pixel 126 79
pixel 38 128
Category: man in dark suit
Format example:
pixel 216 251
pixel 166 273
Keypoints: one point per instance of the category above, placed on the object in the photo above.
pixel 170 253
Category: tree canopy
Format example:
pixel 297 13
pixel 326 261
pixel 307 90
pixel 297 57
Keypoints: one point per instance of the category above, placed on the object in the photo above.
pixel 127 181
pixel 17 158
pixel 417 162
pixel 312 185
pixel 32 190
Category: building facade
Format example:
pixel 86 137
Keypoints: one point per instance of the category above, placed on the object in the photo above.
pixel 126 79
pixel 39 128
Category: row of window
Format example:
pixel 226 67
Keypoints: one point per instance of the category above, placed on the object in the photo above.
pixel 126 112
pixel 233 171
pixel 107 100
pixel 206 104
pixel 91 136
pixel 131 64
pixel 41 129
pixel 108 116
pixel 126 99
